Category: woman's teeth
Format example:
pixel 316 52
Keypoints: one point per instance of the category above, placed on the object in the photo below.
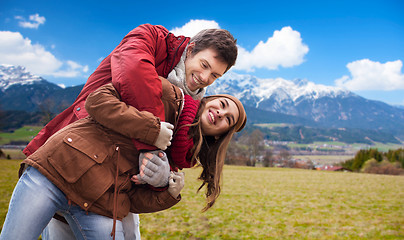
pixel 212 117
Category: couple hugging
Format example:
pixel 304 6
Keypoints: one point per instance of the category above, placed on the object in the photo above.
pixel 116 150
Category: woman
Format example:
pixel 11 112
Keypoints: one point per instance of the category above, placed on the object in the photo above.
pixel 89 164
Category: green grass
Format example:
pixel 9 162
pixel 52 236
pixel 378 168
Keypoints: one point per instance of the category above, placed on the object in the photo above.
pixel 383 147
pixel 336 143
pixel 25 133
pixel 325 159
pixel 272 203
pixel 8 179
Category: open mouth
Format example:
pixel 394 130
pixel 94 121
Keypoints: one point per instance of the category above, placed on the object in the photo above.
pixel 212 117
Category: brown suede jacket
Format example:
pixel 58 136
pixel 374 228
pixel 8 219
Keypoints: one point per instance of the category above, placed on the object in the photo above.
pixel 92 159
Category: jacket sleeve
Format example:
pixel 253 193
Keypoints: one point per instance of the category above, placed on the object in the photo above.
pixel 145 200
pixel 133 68
pixel 105 107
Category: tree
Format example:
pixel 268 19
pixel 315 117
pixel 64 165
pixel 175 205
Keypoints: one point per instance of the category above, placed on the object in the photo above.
pixel 237 154
pixel 285 158
pixel 383 167
pixel 363 156
pixel 268 159
pixel 2 154
pixel 368 165
pixel 255 141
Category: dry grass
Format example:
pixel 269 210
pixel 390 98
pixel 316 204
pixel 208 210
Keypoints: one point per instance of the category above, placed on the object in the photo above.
pixel 268 203
pixel 13 153
pixel 8 179
pixel 271 203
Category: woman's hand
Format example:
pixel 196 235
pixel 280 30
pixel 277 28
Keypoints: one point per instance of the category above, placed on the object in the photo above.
pixel 154 170
pixel 165 135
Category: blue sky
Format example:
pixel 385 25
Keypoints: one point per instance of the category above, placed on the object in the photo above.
pixel 358 45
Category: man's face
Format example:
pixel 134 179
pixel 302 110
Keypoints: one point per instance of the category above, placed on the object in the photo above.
pixel 218 116
pixel 203 68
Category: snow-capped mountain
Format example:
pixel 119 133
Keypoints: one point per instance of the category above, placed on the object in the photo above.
pixel 11 75
pixel 22 91
pixel 278 89
pixel 325 105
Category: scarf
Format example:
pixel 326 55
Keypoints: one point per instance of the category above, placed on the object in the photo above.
pixel 182 143
pixel 177 77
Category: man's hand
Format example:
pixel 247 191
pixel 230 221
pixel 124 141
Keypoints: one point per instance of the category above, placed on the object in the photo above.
pixel 154 170
pixel 165 135
pixel 176 183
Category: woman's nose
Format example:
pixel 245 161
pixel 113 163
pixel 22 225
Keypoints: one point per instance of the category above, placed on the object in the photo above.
pixel 219 113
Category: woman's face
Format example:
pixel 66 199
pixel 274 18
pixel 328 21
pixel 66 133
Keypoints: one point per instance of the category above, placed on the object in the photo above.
pixel 219 116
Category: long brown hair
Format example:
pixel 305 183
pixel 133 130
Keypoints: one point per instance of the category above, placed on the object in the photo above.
pixel 210 153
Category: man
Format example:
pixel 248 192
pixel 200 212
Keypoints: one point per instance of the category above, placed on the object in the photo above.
pixel 134 67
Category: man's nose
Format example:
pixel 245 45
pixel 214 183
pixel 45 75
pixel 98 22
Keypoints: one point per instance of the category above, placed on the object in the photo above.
pixel 205 77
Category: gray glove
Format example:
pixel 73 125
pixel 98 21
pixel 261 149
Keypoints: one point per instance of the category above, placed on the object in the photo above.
pixel 165 135
pixel 156 170
pixel 176 183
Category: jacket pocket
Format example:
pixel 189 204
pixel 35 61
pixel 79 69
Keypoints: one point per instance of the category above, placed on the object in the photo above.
pixel 76 155
pixel 79 110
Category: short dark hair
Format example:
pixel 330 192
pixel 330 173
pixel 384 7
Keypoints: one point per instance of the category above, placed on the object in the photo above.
pixel 219 40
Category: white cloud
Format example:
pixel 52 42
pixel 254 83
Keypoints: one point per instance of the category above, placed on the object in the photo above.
pixel 34 21
pixel 191 28
pixel 17 50
pixel 285 48
pixel 369 75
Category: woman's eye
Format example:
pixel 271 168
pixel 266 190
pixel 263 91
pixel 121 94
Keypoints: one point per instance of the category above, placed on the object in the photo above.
pixel 228 120
pixel 222 103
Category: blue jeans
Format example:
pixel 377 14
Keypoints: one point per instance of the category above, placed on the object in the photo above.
pixel 62 231
pixel 34 202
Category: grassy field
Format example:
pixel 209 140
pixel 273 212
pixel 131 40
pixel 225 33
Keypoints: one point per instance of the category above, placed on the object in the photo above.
pixel 272 203
pixel 8 179
pixel 13 153
pixel 25 133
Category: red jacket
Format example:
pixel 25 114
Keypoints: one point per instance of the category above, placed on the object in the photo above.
pixel 133 67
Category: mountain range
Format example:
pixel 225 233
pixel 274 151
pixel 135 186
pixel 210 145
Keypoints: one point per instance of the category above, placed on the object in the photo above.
pixel 297 102
pixel 322 105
